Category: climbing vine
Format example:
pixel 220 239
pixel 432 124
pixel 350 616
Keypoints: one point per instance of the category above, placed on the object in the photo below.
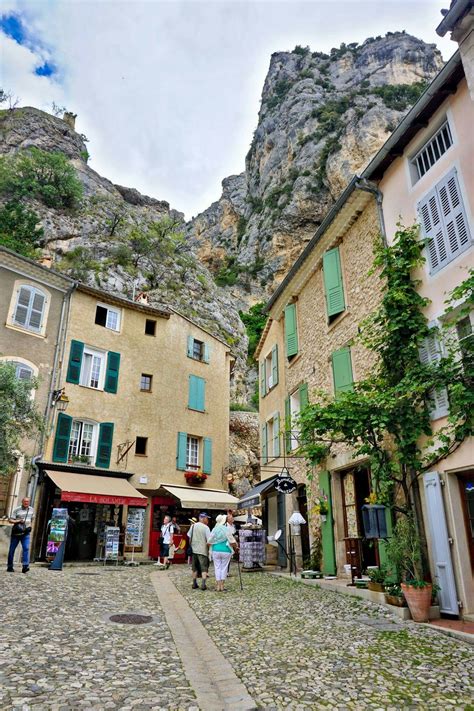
pixel 386 418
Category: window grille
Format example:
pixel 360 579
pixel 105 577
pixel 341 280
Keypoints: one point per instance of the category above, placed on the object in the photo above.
pixel 433 150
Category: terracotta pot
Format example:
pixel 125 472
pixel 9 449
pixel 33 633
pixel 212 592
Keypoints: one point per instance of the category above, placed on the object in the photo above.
pixel 395 600
pixel 376 587
pixel 419 601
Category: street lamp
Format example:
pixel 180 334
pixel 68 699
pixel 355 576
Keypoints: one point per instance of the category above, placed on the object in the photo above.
pixel 60 400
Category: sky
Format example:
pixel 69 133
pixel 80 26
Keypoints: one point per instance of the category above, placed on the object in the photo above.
pixel 168 92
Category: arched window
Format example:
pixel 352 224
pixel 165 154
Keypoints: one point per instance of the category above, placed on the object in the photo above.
pixel 22 371
pixel 29 308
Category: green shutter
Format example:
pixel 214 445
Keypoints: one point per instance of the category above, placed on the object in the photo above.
pixel 275 365
pixel 342 371
pixel 276 434
pixel 327 527
pixel 75 362
pixel 264 444
pixel 190 346
pixel 291 332
pixel 333 282
pixel 207 455
pixel 197 393
pixel 112 372
pixel 303 396
pixel 287 425
pixel 206 356
pixel 104 447
pixel 181 451
pixel 263 378
pixel 61 440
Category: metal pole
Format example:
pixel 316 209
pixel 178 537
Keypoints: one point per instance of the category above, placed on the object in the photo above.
pixel 240 574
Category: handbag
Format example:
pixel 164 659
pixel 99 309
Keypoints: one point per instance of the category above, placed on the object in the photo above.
pixel 21 529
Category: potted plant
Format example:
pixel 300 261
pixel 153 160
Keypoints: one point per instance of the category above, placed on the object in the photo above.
pixel 312 564
pixel 377 579
pixel 403 551
pixel 394 594
pixel 195 477
pixel 321 506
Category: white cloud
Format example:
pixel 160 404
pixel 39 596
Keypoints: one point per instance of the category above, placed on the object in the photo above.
pixel 168 92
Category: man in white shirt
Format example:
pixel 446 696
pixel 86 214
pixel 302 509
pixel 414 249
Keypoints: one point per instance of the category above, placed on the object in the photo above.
pixel 199 534
pixel 22 519
pixel 167 531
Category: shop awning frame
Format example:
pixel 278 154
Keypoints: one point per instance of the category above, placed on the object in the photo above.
pixel 194 498
pixel 95 489
pixel 253 497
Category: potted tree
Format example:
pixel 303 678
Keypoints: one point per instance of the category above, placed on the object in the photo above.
pixel 403 551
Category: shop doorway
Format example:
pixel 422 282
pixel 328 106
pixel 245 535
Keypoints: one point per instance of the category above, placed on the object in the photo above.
pixel 466 486
pixel 356 488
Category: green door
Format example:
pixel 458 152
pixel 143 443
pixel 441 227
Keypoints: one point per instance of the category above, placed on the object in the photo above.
pixel 327 527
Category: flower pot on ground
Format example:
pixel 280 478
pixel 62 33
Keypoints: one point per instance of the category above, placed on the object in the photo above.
pixel 377 578
pixel 376 587
pixel 394 595
pixel 418 595
pixel 395 600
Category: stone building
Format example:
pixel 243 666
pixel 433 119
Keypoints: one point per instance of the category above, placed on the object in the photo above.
pixel 33 301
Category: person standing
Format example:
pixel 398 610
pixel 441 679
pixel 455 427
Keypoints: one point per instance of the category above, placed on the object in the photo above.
pixel 167 531
pixel 22 520
pixel 223 544
pixel 199 534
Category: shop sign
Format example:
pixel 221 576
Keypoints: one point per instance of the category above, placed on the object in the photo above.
pixel 285 484
pixel 112 534
pixel 57 530
pixel 103 499
pixel 135 526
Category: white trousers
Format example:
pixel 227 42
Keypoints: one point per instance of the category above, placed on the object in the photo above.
pixel 221 564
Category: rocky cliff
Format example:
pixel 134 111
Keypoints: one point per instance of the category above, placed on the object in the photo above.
pixel 321 119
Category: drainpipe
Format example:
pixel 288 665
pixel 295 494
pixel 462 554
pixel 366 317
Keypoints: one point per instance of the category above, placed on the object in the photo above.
pixel 59 348
pixel 369 187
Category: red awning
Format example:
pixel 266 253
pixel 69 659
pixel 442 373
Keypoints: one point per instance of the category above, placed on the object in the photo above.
pixel 93 489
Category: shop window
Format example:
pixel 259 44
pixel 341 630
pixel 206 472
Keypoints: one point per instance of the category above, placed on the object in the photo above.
pixel 108 317
pixel 141 446
pixel 145 382
pixel 82 442
pixel 150 327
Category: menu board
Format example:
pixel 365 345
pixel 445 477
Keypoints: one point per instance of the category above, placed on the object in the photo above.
pixel 112 535
pixel 57 530
pixel 135 526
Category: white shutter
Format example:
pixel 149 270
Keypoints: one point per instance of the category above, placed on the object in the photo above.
pixel 36 315
pixel 444 222
pixel 439 544
pixel 22 305
pixel 430 352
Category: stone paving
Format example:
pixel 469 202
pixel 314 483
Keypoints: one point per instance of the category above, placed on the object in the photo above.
pixel 58 651
pixel 293 646
pixel 300 647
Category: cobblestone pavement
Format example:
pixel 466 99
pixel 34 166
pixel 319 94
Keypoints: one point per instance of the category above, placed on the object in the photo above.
pixel 58 651
pixel 300 647
pixel 293 646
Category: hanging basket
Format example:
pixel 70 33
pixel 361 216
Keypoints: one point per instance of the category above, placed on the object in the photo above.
pixel 195 478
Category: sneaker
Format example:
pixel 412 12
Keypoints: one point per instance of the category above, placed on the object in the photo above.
pixel 167 565
pixel 195 585
pixel 25 569
pixel 10 570
pixel 203 586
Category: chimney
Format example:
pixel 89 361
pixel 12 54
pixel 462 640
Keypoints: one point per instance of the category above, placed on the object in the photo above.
pixel 46 261
pixel 141 298
pixel 70 119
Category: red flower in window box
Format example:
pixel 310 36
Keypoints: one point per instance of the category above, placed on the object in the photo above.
pixel 195 477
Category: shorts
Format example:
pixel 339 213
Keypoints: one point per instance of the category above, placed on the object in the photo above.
pixel 165 550
pixel 200 563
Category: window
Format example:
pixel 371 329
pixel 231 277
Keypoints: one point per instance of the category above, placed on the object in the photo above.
pixel 271 438
pixel 432 150
pixel 333 286
pixel 269 371
pixel 444 222
pixel 82 442
pixel 93 369
pixel 198 350
pixel 141 444
pixel 22 372
pixel 108 317
pixel 29 308
pixel 192 453
pixel 291 331
pixel 465 334
pixel 294 404
pixel 430 353
pixel 145 383
pixel 150 327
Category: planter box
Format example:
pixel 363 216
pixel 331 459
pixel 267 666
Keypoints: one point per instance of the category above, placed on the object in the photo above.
pixel 312 574
pixel 376 587
pixel 395 600
pixel 362 584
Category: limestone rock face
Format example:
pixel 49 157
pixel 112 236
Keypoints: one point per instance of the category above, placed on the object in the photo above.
pixel 322 117
pixel 244 446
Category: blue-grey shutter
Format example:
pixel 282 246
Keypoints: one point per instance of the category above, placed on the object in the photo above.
pixel 190 347
pixel 263 378
pixel 181 451
pixel 264 444
pixel 206 353
pixel 276 434
pixel 275 365
pixel 207 456
pixel 197 393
